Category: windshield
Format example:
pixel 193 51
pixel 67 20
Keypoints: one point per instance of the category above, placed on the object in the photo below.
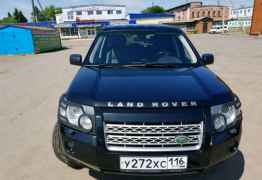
pixel 134 48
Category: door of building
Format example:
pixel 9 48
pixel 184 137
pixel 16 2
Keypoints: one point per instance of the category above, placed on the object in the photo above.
pixel 205 26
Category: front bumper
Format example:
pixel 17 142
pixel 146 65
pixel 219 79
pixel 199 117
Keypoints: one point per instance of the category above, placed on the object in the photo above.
pixel 90 151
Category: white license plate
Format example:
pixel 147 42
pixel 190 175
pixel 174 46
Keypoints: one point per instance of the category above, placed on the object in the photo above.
pixel 153 163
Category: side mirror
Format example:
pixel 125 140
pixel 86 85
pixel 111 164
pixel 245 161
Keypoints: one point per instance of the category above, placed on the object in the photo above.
pixel 76 59
pixel 208 59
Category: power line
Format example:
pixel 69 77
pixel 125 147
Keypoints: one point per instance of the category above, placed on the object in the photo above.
pixel 34 11
pixel 40 5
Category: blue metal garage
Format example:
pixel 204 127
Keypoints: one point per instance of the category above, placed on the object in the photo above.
pixel 16 40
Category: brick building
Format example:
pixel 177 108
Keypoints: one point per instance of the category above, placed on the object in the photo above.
pixel 199 17
pixel 256 27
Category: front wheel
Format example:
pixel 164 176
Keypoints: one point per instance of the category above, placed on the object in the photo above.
pixel 59 150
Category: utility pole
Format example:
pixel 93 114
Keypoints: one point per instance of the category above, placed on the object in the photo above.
pixel 34 12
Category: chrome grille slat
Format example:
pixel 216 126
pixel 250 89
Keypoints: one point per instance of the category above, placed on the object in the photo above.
pixel 156 129
pixel 157 140
pixel 152 138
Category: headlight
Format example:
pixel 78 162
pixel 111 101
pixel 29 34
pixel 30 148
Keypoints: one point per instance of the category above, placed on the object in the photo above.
pixel 85 122
pixel 224 115
pixel 73 114
pixel 220 123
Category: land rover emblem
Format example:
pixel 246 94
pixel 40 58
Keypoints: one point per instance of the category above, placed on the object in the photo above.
pixel 181 140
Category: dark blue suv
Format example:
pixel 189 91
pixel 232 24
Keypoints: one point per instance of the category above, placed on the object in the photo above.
pixel 144 104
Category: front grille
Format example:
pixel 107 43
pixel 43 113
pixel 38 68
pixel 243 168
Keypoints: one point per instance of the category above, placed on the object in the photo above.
pixel 160 137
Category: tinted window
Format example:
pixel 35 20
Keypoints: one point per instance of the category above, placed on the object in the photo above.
pixel 142 47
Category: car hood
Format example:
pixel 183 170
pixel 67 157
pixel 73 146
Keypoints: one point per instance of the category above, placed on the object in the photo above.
pixel 93 86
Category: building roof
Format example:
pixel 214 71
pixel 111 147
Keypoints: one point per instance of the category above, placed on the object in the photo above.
pixel 26 27
pixel 211 5
pixel 193 20
pixel 90 5
pixel 248 7
pixel 187 5
pixel 149 15
pixel 46 24
pixel 142 28
pixel 183 6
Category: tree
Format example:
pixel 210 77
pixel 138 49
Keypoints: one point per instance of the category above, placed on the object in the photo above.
pixel 48 14
pixel 8 20
pixel 154 9
pixel 39 15
pixel 19 16
pixel 16 17
pixel 9 14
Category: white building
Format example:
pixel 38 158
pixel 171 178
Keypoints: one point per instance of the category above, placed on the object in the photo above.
pixel 244 12
pixel 84 20
pixel 241 18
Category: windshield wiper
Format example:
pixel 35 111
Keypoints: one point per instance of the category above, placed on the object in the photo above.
pixel 146 65
pixel 153 65
pixel 102 65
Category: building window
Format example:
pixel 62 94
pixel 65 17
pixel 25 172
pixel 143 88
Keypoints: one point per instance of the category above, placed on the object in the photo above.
pixel 90 12
pixel 118 12
pixel 91 32
pixel 193 14
pixel 98 12
pixel 203 13
pixel 69 32
pixel 78 13
pixel 70 15
pixel 208 14
pixel 219 13
pixel 214 13
pixel 198 14
pixel 110 12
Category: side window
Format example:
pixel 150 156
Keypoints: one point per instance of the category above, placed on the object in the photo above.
pixel 189 54
pixel 96 54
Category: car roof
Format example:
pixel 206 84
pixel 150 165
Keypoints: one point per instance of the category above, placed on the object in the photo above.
pixel 165 28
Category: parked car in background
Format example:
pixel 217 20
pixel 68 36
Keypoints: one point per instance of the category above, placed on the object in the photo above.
pixel 217 29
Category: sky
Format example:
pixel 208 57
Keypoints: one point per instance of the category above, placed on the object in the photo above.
pixel 132 5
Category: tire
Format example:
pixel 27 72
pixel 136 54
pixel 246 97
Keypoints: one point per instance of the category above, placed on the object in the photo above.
pixel 59 150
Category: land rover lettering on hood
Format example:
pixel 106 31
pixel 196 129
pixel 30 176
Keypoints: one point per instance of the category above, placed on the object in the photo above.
pixel 144 103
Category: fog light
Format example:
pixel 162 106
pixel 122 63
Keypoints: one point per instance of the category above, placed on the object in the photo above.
pixel 220 123
pixel 86 123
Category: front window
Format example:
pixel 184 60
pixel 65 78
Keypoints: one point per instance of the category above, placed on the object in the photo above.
pixel 98 12
pixel 70 15
pixel 90 12
pixel 134 48
pixel 79 13
pixel 118 12
pixel 110 12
